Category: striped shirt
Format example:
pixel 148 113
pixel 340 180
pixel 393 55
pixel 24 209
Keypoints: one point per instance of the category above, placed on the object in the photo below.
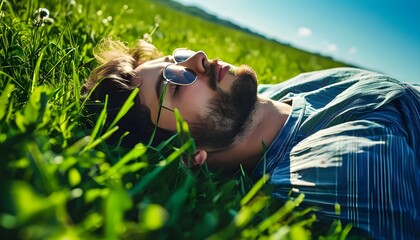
pixel 353 139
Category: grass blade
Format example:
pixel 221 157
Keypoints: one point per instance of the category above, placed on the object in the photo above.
pixel 125 108
pixel 4 99
pixel 35 77
pixel 255 189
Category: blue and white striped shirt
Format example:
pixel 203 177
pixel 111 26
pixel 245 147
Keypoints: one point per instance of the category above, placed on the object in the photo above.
pixel 353 138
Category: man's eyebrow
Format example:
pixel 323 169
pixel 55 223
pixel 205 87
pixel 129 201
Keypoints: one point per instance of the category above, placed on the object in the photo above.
pixel 159 83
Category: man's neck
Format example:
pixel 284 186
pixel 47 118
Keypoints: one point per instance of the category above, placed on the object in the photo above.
pixel 267 120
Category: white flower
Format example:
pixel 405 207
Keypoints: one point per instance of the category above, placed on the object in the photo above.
pixel 41 17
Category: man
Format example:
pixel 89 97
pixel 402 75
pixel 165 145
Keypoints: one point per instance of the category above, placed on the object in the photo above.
pixel 341 136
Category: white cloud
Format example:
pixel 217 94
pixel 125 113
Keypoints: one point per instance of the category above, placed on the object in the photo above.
pixel 304 32
pixel 352 50
pixel 332 48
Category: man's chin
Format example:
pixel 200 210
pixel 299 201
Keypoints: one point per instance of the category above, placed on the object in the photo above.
pixel 244 89
pixel 229 112
pixel 243 96
pixel 243 70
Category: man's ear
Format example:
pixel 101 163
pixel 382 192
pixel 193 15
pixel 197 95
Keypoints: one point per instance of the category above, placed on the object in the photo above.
pixel 200 157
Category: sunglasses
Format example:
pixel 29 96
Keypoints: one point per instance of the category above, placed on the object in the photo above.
pixel 177 74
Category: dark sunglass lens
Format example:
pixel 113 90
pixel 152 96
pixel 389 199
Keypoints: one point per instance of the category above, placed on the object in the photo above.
pixel 179 75
pixel 182 55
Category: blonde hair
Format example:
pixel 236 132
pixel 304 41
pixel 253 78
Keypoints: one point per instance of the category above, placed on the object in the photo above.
pixel 117 60
pixel 113 78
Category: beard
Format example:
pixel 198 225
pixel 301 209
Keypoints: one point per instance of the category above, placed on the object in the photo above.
pixel 230 112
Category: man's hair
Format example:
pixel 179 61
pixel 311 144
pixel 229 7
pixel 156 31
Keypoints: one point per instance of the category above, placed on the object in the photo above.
pixel 113 77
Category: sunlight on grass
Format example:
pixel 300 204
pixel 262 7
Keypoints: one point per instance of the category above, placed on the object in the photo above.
pixel 60 179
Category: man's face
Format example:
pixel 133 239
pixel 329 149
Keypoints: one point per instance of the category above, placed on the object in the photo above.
pixel 216 106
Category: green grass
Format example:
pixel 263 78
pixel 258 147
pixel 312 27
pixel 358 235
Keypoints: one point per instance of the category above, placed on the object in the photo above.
pixel 273 62
pixel 60 180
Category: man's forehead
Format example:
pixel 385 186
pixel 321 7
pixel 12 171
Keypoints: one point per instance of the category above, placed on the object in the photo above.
pixel 158 60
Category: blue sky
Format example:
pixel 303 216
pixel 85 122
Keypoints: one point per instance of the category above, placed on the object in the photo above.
pixel 381 35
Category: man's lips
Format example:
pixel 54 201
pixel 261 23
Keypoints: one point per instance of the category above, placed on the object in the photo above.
pixel 223 69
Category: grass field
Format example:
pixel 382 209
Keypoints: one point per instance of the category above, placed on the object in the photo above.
pixel 272 61
pixel 60 180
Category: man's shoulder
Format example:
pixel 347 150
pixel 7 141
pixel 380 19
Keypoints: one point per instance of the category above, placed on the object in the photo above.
pixel 310 81
pixel 335 74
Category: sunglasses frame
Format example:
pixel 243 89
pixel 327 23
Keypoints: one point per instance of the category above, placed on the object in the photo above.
pixel 183 49
pixel 167 80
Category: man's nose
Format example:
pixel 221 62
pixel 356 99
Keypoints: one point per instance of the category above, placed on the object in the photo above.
pixel 198 62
